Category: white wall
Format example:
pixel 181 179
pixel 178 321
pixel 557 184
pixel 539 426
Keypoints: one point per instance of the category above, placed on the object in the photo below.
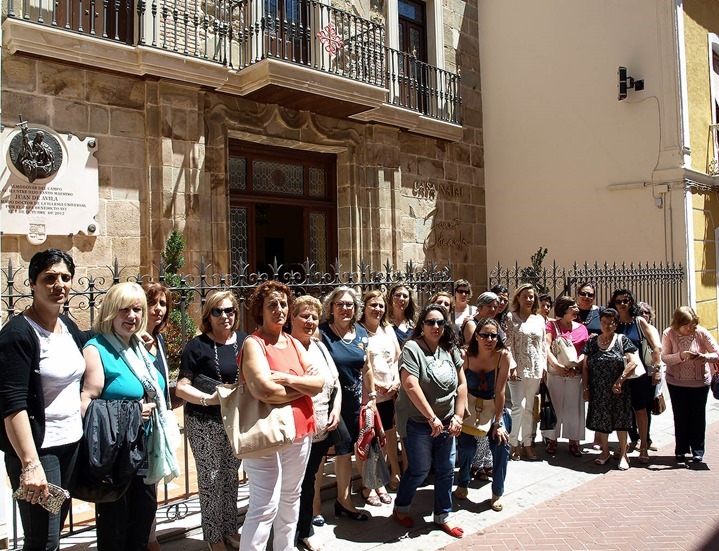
pixel 556 137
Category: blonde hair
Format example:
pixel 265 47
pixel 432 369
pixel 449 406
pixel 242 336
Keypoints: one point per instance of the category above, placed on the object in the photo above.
pixel 684 315
pixel 120 296
pixel 212 301
pixel 306 301
pixel 515 298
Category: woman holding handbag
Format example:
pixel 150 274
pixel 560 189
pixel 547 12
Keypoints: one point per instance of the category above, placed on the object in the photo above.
pixel 40 395
pixel 647 342
pixel 277 370
pixel 609 359
pixel 486 369
pixel 691 355
pixel 306 313
pixel 430 408
pixel 119 368
pixel 565 342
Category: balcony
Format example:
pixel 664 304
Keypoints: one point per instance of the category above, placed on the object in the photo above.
pixel 300 54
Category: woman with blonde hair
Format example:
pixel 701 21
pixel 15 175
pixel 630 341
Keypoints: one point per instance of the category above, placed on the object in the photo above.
pixel 119 368
pixel 691 355
pixel 210 359
pixel 278 370
pixel 526 340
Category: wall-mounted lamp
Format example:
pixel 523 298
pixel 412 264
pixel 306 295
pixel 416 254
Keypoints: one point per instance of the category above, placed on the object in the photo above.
pixel 626 83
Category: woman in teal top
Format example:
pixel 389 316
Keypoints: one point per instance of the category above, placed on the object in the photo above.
pixel 119 368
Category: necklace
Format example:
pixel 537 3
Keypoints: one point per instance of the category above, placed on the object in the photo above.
pixel 40 322
pixel 604 343
pixel 435 354
pixel 369 331
pixel 217 360
pixel 343 337
pixel 587 320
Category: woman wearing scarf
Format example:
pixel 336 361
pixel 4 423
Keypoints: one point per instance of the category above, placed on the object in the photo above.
pixel 119 368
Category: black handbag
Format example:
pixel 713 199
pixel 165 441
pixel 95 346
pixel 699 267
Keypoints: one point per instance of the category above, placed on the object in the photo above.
pixel 340 435
pixel 205 384
pixel 547 415
pixel 112 450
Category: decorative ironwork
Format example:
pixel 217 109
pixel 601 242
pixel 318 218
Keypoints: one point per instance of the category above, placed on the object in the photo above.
pixel 270 177
pixel 659 285
pixel 331 40
pixel 318 182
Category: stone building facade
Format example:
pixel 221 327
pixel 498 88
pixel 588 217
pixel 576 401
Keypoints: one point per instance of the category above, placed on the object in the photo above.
pixel 215 151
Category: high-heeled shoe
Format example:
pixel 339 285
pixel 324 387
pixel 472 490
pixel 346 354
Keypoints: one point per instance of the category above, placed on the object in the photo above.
pixel 340 510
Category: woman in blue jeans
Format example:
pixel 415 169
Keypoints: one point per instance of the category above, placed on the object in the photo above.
pixel 429 414
pixel 486 369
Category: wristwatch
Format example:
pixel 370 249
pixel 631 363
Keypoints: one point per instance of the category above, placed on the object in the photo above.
pixel 497 424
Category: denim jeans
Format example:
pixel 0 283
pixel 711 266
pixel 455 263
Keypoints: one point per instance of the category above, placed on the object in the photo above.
pixel 467 447
pixel 41 529
pixel 422 451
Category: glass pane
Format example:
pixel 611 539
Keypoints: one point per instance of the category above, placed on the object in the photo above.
pixel 318 240
pixel 238 238
pixel 411 10
pixel 238 177
pixel 318 182
pixel 415 42
pixel 277 178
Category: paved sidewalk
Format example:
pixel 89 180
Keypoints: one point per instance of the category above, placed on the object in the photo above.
pixel 560 502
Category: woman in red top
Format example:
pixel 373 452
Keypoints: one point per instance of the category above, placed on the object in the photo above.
pixel 277 370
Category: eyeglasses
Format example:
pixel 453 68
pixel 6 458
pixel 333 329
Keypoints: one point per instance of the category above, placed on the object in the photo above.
pixel 436 323
pixel 462 291
pixel 401 295
pixel 347 305
pixel 217 312
pixel 586 294
pixel 488 336
pixel 623 301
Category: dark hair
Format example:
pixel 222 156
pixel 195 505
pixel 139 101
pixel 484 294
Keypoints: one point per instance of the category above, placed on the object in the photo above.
pixel 369 295
pixel 44 259
pixel 609 313
pixel 262 291
pixel 633 308
pixel 473 348
pixel 563 304
pixel 153 292
pixel 587 283
pixel 497 289
pixel 410 312
pixel 544 297
pixel 449 335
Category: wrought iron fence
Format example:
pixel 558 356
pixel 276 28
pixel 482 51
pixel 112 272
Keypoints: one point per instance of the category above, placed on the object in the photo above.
pixel 660 285
pixel 240 33
pixel 192 292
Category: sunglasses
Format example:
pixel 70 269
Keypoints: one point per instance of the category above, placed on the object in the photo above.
pixel 488 336
pixel 436 323
pixel 623 301
pixel 462 291
pixel 217 312
pixel 586 294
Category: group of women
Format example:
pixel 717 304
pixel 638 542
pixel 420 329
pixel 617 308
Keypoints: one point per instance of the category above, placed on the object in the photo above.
pixel 420 373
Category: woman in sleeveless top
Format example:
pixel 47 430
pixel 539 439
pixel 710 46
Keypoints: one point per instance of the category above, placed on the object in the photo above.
pixel 486 369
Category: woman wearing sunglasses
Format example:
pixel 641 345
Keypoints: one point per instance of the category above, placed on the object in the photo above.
pixel 636 329
pixel 213 355
pixel 588 311
pixel 429 410
pixel 486 369
pixel 463 310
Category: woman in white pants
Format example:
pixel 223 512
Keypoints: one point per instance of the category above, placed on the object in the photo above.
pixel 277 370
pixel 565 381
pixel 526 339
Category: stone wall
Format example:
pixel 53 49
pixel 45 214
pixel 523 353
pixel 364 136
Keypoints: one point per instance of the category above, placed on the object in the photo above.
pixel 162 154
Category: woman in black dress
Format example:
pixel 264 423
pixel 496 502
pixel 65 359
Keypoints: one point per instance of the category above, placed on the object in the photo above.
pixel 604 374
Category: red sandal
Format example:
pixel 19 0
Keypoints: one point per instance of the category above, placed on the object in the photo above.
pixel 455 532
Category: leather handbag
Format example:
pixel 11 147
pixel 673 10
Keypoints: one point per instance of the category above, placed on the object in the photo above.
pixel 645 351
pixel 715 385
pixel 375 473
pixel 547 415
pixel 659 405
pixel 254 428
pixel 564 350
pixel 205 384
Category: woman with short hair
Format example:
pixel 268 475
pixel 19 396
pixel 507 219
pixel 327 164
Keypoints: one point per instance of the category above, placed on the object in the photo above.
pixel 40 397
pixel 462 307
pixel 691 354
pixel 565 381
pixel 277 370
pixel 211 358
pixel 487 304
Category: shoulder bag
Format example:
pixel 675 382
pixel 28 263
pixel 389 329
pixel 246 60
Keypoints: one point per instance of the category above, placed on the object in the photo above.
pixel 563 349
pixel 254 428
pixel 480 412
pixel 645 351
pixel 547 414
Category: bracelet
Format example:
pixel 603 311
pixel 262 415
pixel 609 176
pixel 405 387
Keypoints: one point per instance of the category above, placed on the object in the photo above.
pixel 372 394
pixel 203 401
pixel 30 468
pixel 431 420
pixel 457 418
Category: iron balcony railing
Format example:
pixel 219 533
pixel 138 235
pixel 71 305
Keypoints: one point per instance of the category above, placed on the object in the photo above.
pixel 240 33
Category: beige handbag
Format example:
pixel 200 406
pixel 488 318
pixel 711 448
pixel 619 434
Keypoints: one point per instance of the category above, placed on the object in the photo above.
pixel 254 428
pixel 479 414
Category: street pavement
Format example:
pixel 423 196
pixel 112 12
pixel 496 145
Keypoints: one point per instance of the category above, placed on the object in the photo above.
pixel 560 502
